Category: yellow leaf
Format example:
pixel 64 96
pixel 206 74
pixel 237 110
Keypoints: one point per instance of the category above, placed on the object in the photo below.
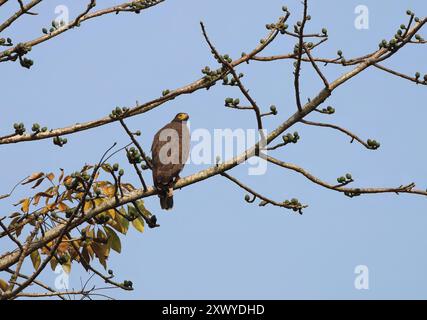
pixel 138 224
pixel 111 213
pixel 120 223
pixel 86 167
pixel 48 208
pixel 25 205
pixel 90 233
pixel 53 263
pixel 107 188
pixel 3 285
pixel 90 251
pixel 67 181
pixel 35 258
pixel 36 199
pixel 88 206
pixel 53 191
pixel 67 267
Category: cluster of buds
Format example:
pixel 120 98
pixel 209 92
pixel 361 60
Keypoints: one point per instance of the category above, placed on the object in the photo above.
pixel 328 110
pixel 309 45
pixel 281 27
pixel 341 56
pixel 6 42
pixel 19 128
pixel 137 6
pixel 345 179
pixel 273 110
pixel 59 141
pixel 26 63
pixel 294 204
pixel 36 128
pixel 78 180
pixel 116 168
pixel 118 112
pixel 373 144
pixel 400 33
pixel 232 81
pixel 134 156
pixel 211 75
pixel 230 102
pixel 22 49
pixel 225 57
pixel 55 25
pixel 354 193
pixel 291 138
pixel 418 75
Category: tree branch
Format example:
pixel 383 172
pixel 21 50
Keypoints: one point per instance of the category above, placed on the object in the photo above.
pixel 23 10
pixel 345 131
pixel 340 188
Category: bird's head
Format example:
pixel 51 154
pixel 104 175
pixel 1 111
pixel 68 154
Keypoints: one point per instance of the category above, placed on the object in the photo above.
pixel 181 117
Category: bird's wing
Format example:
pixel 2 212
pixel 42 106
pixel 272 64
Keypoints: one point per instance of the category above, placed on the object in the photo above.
pixel 168 158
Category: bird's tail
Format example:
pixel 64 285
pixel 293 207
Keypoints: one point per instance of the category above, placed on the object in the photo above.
pixel 166 199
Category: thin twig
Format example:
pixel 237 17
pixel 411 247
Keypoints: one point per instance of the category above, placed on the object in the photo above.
pixel 299 56
pixel 347 132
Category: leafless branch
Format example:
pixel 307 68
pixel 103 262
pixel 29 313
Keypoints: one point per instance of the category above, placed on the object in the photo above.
pixel 348 191
pixel 299 56
pixel 345 131
pixel 24 9
pixel 293 205
pixel 401 75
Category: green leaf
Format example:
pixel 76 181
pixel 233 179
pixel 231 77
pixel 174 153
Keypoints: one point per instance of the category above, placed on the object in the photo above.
pixel 35 258
pixel 101 235
pixel 132 212
pixel 143 209
pixel 3 285
pixel 122 220
pixel 113 239
pixel 138 224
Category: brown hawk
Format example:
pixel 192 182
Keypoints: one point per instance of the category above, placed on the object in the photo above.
pixel 170 151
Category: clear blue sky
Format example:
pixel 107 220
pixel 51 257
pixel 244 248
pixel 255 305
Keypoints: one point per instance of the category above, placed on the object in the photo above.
pixel 213 244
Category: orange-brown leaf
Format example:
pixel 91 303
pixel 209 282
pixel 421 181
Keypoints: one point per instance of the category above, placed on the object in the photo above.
pixel 37 183
pixel 61 175
pixel 50 176
pixel 33 177
pixel 62 207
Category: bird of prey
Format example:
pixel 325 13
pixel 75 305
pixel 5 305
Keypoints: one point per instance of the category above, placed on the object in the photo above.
pixel 170 151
